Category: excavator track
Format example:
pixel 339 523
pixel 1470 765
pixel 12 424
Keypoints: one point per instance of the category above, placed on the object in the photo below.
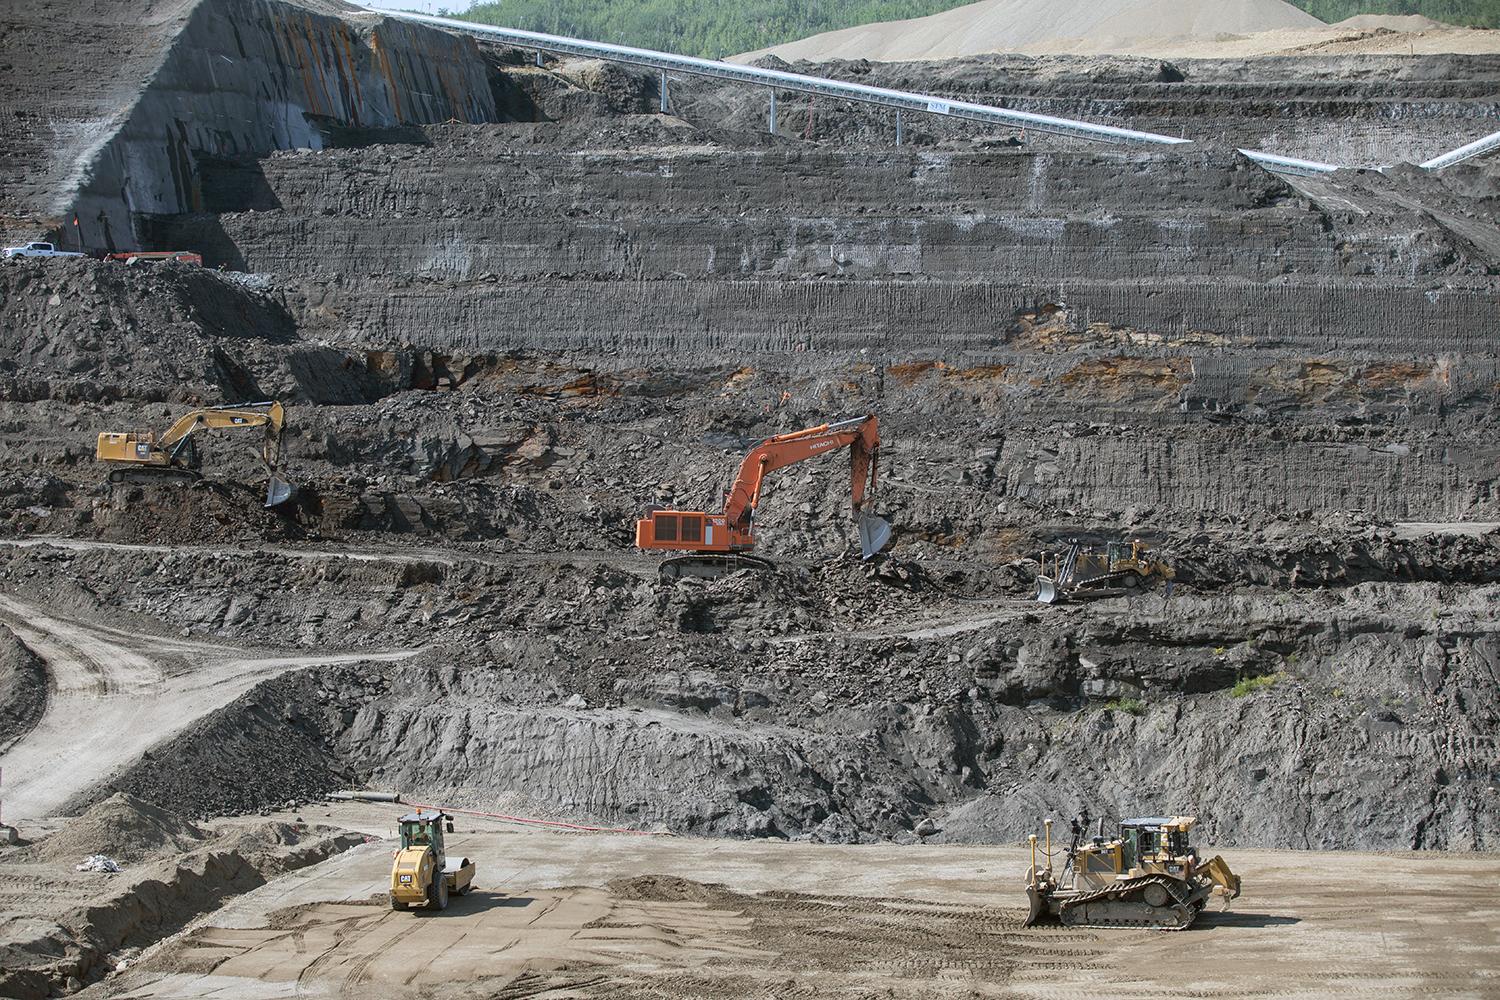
pixel 153 475
pixel 711 565
pixel 1156 902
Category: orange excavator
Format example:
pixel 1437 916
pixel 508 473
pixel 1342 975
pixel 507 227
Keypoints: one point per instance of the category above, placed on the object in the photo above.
pixel 721 542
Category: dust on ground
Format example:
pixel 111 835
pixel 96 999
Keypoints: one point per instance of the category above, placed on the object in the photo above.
pixel 61 928
pixel 584 915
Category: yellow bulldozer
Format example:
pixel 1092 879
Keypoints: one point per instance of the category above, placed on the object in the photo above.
pixel 1148 876
pixel 1119 568
pixel 423 874
pixel 142 457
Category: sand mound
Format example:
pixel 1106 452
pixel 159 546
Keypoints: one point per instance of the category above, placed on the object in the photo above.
pixel 665 889
pixel 1011 25
pixel 121 827
pixel 1393 22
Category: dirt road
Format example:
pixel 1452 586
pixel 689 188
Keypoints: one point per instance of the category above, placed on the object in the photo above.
pixel 592 916
pixel 116 693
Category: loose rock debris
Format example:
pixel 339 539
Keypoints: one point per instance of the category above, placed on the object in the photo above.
pixel 502 334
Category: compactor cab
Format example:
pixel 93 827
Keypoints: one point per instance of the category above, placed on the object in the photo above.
pixel 424 829
pixel 423 874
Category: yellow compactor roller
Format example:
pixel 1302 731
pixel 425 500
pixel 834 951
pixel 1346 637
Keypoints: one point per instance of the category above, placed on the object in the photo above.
pixel 1148 876
pixel 423 874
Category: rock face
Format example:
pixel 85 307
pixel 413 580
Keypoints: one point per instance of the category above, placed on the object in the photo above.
pixel 500 341
pixel 238 78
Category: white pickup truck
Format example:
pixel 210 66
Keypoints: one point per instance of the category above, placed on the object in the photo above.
pixel 36 250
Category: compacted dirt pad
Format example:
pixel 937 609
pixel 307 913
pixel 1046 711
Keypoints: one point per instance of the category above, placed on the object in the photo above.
pixel 578 920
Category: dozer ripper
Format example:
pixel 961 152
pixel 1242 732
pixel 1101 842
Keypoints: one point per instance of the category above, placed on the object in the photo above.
pixel 141 457
pixel 1148 876
pixel 1080 572
pixel 422 873
pixel 720 542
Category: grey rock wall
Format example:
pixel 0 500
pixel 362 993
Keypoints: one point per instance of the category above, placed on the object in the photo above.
pixel 246 77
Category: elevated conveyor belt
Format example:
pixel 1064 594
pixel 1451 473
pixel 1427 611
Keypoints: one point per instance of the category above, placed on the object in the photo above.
pixel 899 100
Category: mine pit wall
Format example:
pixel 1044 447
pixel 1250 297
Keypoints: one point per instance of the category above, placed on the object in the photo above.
pixel 899 318
pixel 247 77
pixel 1359 111
pixel 1189 304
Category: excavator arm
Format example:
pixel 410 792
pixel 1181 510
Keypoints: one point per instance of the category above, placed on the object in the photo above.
pixel 270 415
pixel 860 435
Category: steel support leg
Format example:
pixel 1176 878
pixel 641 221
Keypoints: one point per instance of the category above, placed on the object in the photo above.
pixel 898 126
pixel 539 58
pixel 663 91
pixel 773 111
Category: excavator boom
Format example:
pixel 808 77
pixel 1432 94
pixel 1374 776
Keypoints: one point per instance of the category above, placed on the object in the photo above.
pixel 732 531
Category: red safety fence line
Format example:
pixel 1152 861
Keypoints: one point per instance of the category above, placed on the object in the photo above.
pixel 543 822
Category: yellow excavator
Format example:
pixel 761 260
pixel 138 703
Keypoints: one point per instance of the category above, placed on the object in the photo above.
pixel 142 457
pixel 423 874
pixel 1148 876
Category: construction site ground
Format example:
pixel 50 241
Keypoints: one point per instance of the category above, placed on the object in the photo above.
pixel 510 306
pixel 610 915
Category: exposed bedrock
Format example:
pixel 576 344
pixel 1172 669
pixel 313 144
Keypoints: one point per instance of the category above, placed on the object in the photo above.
pixel 1361 718
pixel 251 76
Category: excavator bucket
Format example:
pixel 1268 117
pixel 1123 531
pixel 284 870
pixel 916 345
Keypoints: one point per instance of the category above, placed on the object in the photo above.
pixel 1046 590
pixel 279 491
pixel 874 533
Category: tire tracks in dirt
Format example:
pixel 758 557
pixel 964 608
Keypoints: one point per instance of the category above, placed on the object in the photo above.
pixel 117 693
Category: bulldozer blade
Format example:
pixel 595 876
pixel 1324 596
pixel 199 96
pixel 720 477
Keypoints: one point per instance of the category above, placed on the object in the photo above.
pixel 1038 906
pixel 1046 590
pixel 874 533
pixel 279 491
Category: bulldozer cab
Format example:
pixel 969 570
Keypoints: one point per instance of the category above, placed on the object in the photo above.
pixel 1154 838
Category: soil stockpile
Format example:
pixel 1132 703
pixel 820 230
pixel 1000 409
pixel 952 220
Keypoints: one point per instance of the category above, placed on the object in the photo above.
pixel 121 827
pixel 1392 22
pixel 1015 25
pixel 1153 28
pixel 23 688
